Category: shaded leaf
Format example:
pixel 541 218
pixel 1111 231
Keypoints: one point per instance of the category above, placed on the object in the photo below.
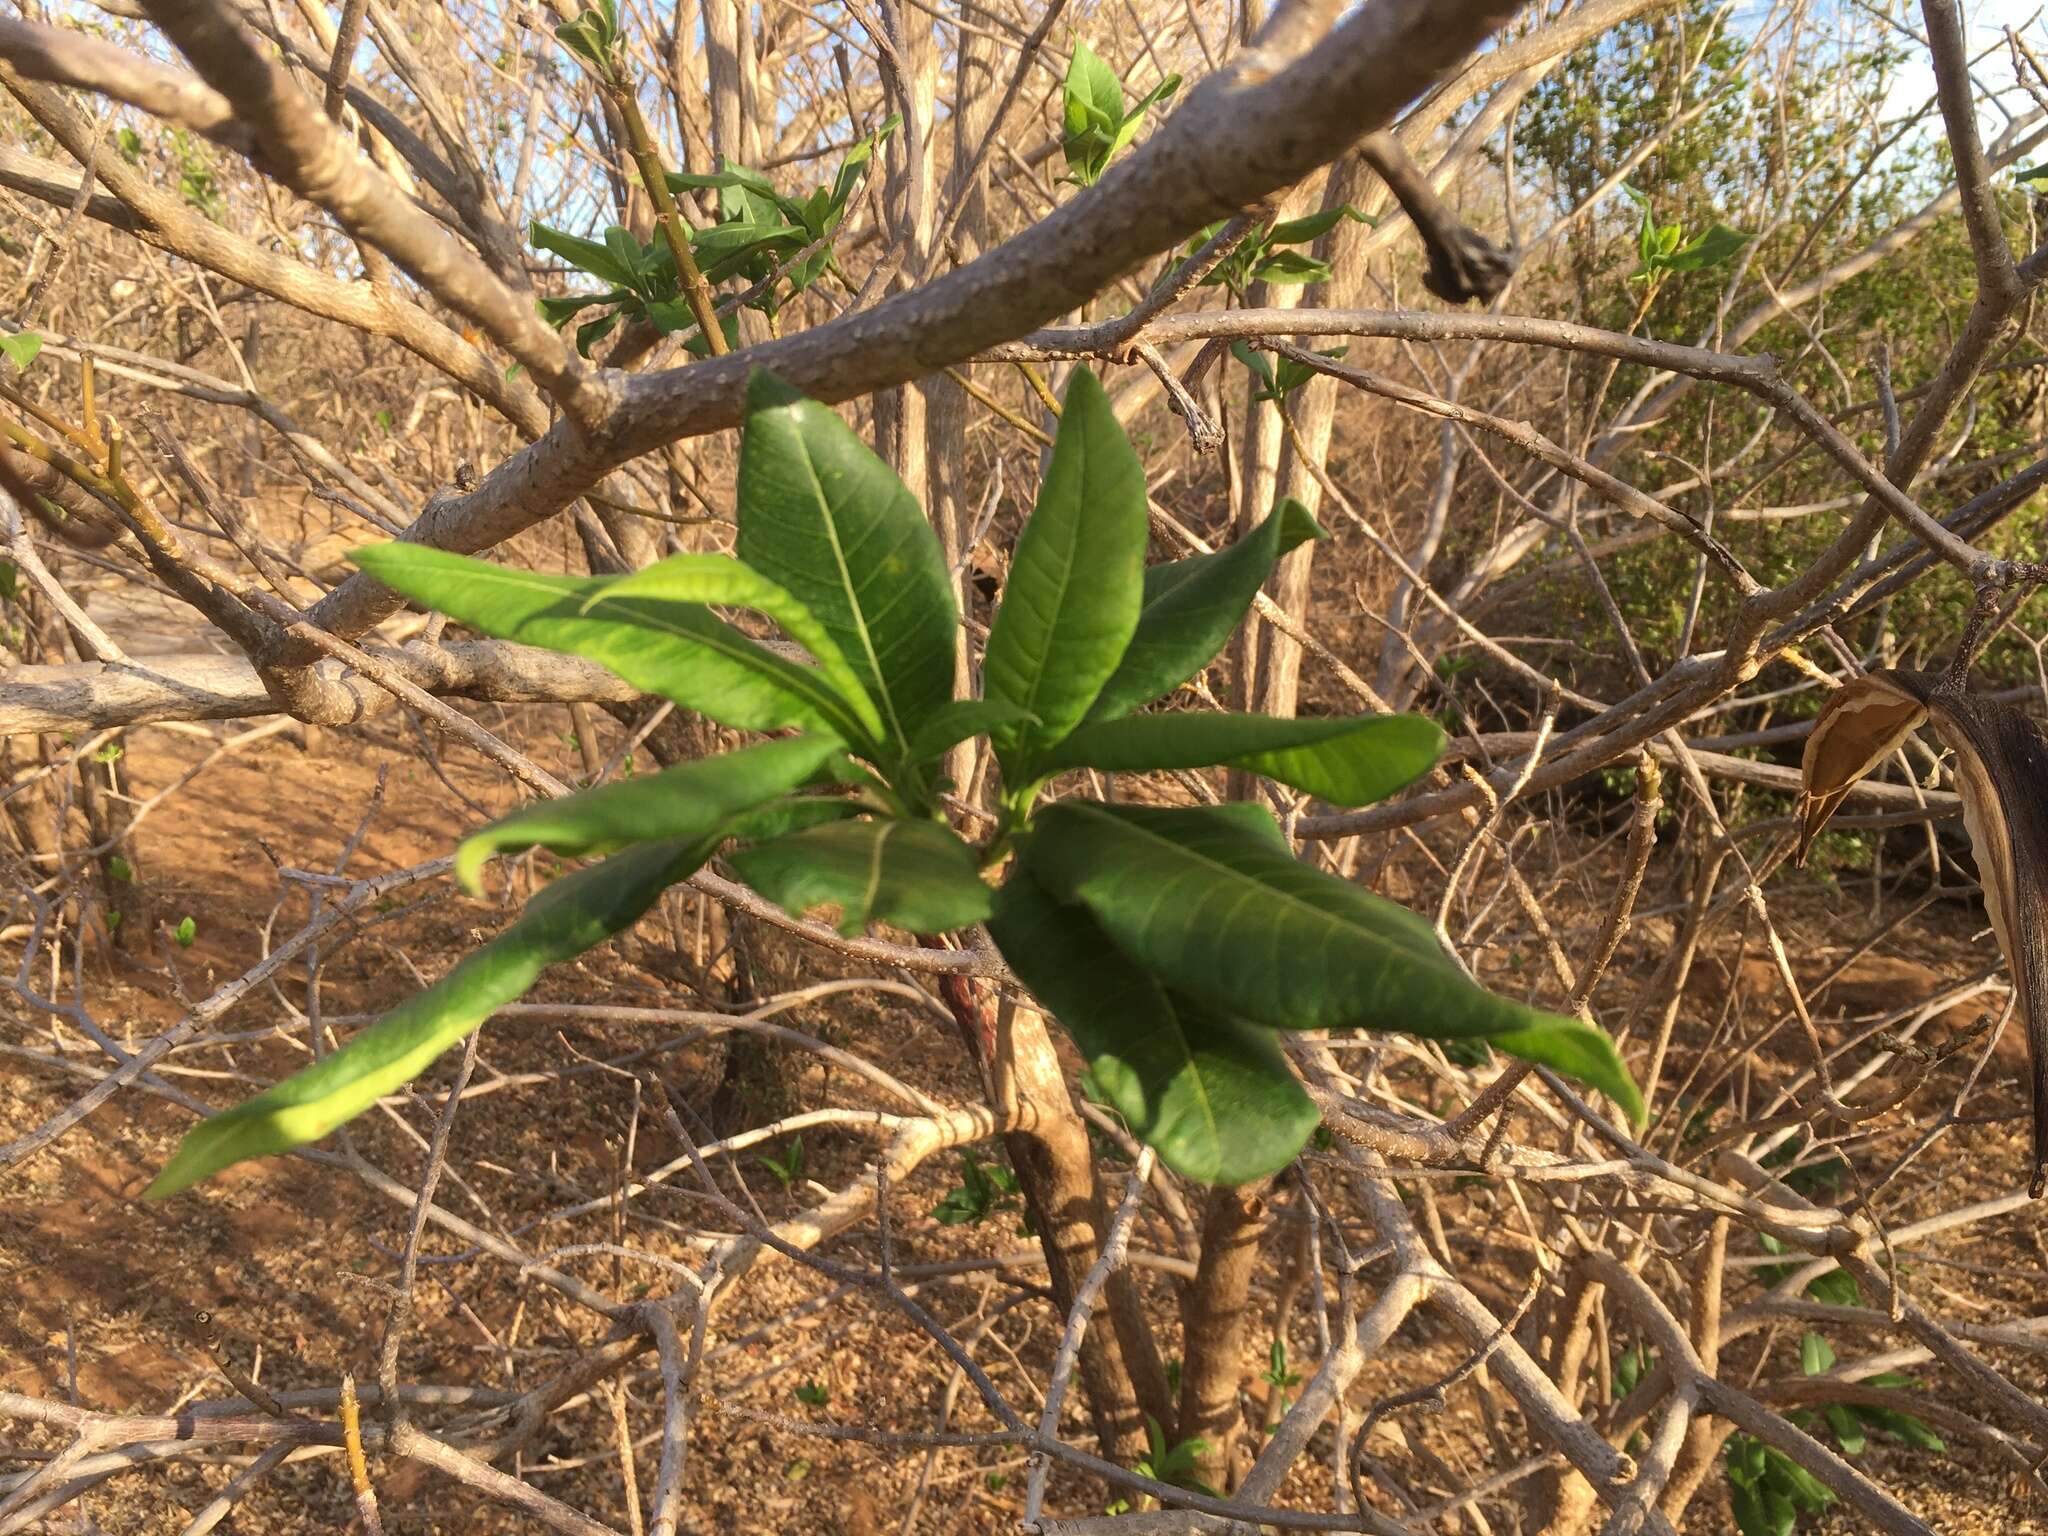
pixel 600 261
pixel 1214 903
pixel 1191 607
pixel 1213 1096
pixel 915 874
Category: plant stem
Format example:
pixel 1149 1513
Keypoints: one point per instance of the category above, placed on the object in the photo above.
pixel 654 176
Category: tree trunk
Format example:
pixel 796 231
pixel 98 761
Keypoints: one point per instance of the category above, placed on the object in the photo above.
pixel 1055 1165
pixel 1215 1320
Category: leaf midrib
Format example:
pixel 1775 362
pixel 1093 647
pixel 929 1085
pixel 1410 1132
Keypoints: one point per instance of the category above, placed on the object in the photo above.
pixel 860 620
pixel 1330 924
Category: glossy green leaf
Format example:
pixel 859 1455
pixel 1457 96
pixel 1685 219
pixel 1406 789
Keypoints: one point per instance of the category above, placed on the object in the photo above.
pixel 1191 608
pixel 688 802
pixel 574 913
pixel 1348 761
pixel 720 579
pixel 1215 904
pixel 1214 1096
pixel 1076 583
pixel 915 874
pixel 823 517
pixel 681 651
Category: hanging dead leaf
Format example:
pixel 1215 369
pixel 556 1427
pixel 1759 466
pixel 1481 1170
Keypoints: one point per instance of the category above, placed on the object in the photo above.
pixel 1862 723
pixel 2001 774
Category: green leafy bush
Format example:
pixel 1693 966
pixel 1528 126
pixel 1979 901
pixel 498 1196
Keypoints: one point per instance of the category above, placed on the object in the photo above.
pixel 1176 944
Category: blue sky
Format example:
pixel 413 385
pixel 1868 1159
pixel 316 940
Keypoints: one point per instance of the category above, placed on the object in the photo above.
pixel 1985 21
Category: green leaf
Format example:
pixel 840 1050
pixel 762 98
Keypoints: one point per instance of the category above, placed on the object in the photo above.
pixel 1191 607
pixel 688 802
pixel 559 312
pixel 720 579
pixel 1350 761
pixel 822 516
pixel 681 651
pixel 1214 903
pixel 1718 244
pixel 1289 267
pixel 1135 118
pixel 629 254
pixel 120 869
pixel 915 874
pixel 728 176
pixel 600 261
pixel 591 332
pixel 1214 1096
pixel 1815 1354
pixel 1912 1431
pixel 1848 1429
pixel 1801 1486
pixel 1094 84
pixel 1837 1287
pixel 1751 1518
pixel 21 347
pixel 187 930
pixel 576 912
pixel 1076 584
pixel 1093 114
pixel 954 722
pixel 1257 363
pixel 1313 226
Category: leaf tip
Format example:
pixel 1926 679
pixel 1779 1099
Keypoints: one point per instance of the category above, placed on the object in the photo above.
pixel 367 557
pixel 770 392
pixel 185 1169
pixel 470 859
